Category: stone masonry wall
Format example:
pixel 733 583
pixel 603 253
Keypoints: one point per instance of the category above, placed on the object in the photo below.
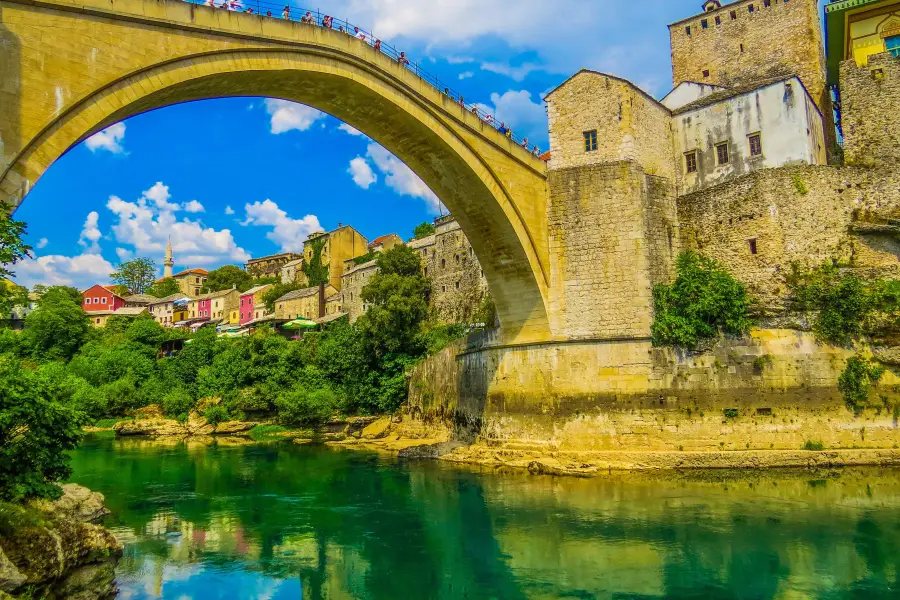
pixel 607 224
pixel 352 284
pixel 783 38
pixel 870 110
pixel 457 281
pixel 630 124
pixel 803 214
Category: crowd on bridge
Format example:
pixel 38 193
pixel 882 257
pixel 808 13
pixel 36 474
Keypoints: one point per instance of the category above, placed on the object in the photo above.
pixel 328 22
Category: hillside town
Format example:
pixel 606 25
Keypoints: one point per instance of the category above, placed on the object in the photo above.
pixel 458 286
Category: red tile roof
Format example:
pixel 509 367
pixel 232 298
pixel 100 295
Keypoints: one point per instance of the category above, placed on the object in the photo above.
pixel 381 239
pixel 545 156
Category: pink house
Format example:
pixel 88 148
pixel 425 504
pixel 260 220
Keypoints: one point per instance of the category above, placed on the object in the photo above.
pixel 246 308
pixel 251 306
pixel 203 308
pixel 99 297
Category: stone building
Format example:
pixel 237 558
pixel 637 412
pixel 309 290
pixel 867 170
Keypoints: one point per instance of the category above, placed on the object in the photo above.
pixel 354 279
pixel 870 110
pixel 385 242
pixel 291 269
pixel 334 304
pixel 307 302
pixel 171 309
pixel 858 30
pixel 733 44
pixel 270 266
pixel 190 281
pixel 338 246
pixel 101 318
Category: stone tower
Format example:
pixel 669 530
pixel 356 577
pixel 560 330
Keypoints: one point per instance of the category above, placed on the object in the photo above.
pixel 169 262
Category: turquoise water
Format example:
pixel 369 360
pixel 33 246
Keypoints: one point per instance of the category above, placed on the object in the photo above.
pixel 285 521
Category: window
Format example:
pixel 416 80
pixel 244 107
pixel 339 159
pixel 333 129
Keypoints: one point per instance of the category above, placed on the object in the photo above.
pixel 443 263
pixel 742 47
pixel 426 271
pixel 892 45
pixel 750 8
pixel 103 301
pixel 590 140
pixel 687 30
pixel 704 23
pixel 705 73
pixel 457 285
pixel 457 259
pixel 734 15
pixel 690 161
pixel 443 288
pixel 755 145
pixel 722 153
pixel 752 243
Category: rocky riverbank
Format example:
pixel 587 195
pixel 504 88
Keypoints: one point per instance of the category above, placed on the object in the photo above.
pixel 56 550
pixel 150 421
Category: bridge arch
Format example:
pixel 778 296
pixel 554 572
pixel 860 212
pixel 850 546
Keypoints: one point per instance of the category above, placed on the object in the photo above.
pixel 496 191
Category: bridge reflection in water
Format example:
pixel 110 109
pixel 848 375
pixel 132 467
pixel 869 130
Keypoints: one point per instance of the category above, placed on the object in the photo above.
pixel 270 521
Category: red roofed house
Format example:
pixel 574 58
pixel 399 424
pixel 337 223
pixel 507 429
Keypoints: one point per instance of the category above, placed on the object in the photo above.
pixel 385 242
pixel 190 281
pixel 99 297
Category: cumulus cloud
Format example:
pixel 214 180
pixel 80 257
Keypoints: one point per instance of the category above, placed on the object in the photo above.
pixel 287 116
pixel 517 73
pixel 110 139
pixel 288 233
pixel 466 75
pixel 90 233
pixel 517 109
pixel 229 210
pixel 350 130
pixel 362 173
pixel 124 254
pixel 194 207
pixel 42 243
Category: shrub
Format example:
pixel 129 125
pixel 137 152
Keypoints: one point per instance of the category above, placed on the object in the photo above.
pixel 858 378
pixel 799 186
pixel 215 414
pixel 813 445
pixel 704 300
pixel 301 406
pixel 177 401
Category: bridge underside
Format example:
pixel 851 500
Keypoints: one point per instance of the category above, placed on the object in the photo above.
pixel 66 74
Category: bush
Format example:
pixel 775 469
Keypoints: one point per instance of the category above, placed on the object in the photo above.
pixel 301 406
pixel 704 300
pixel 177 401
pixel 38 425
pixel 215 414
pixel 858 378
pixel 813 445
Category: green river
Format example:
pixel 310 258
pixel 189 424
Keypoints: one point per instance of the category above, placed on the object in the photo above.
pixel 279 520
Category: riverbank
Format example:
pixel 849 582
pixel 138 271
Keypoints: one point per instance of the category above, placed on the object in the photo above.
pixel 56 549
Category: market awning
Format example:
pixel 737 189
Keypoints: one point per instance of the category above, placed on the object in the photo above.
pixel 300 323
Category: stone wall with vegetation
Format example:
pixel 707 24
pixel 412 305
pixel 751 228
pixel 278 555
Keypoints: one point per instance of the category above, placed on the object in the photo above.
pixel 870 110
pixel 803 214
pixel 769 390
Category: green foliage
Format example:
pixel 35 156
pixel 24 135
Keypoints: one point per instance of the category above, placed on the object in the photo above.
pixel 38 425
pixel 703 301
pixel 361 260
pixel 12 248
pixel 226 278
pixel 846 306
pixel 434 337
pixel 316 272
pixel 731 413
pixel 799 186
pixel 58 327
pixel 423 230
pixel 815 446
pixel 858 378
pixel 266 432
pixel 761 362
pixel 277 291
pixel 177 401
pixel 137 274
pixel 216 414
pixel 163 287
pixel 301 406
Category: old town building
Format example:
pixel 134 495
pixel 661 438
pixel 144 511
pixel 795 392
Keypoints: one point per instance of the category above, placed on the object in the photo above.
pixel 100 318
pixel 308 303
pixel 101 298
pixel 270 266
pixel 251 306
pixel 171 309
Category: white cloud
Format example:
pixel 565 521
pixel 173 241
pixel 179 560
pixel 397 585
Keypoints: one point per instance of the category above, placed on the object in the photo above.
pixel 194 207
pixel 159 195
pixel 287 116
pixel 124 254
pixel 362 173
pixel 288 233
pixel 516 73
pixel 516 109
pixel 466 75
pixel 229 210
pixel 90 233
pixel 109 139
pixel 350 130
pixel 80 271
pixel 42 243
pixel 401 178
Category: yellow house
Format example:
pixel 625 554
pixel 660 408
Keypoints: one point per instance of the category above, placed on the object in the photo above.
pixel 302 303
pixel 171 309
pixel 99 318
pixel 858 29
pixel 337 246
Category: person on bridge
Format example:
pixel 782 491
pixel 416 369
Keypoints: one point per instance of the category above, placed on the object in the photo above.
pixel 503 128
pixel 525 143
pixel 402 59
pixel 536 152
pixel 308 19
pixel 327 21
pixel 378 45
pixel 474 110
pixel 286 13
pixel 249 11
pixel 359 34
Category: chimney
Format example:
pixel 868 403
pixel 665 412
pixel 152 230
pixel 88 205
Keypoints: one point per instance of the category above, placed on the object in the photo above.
pixel 321 300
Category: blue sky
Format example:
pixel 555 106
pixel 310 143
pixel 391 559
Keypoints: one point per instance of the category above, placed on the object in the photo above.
pixel 233 178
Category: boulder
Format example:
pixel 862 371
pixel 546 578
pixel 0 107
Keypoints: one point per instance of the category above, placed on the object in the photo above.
pixel 229 427
pixel 198 425
pixel 10 577
pixel 151 411
pixel 80 503
pixel 377 429
pixel 204 403
pixel 156 427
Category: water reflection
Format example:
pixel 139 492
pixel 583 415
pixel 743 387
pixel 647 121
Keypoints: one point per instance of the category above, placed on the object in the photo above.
pixel 285 521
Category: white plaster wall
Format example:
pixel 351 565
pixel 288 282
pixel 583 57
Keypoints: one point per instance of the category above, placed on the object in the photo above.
pixel 687 92
pixel 790 132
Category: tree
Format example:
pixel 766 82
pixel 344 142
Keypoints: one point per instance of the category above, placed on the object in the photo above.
pixel 316 273
pixel 58 327
pixel 12 248
pixel 423 230
pixel 11 295
pixel 163 287
pixel 277 291
pixel 136 274
pixel 227 277
pixel 38 425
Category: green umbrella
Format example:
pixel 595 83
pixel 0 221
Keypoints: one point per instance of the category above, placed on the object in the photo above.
pixel 300 323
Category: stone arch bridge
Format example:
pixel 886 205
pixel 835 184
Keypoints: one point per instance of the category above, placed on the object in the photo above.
pixel 69 68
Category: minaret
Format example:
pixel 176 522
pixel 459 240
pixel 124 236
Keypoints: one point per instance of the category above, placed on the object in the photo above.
pixel 168 263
